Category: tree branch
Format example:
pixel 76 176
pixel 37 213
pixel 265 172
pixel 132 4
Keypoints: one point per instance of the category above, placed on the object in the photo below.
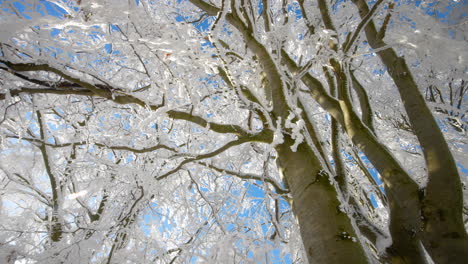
pixel 107 92
pixel 248 176
pixel 265 136
pixel 125 148
pixel 219 128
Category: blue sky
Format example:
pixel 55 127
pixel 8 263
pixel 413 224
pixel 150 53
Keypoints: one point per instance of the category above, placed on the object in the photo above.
pixel 254 190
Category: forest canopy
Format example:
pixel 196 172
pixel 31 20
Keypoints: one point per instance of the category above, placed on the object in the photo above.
pixel 233 131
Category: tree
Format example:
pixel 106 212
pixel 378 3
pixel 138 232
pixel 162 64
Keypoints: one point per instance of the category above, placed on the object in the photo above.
pixel 178 131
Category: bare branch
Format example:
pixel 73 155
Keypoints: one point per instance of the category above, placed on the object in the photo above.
pixel 97 90
pixel 248 176
pixel 265 136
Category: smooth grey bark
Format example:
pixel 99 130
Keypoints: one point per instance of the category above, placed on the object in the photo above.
pixel 442 229
pixel 441 226
pixel 327 233
pixel 404 214
pixel 401 190
pixel 366 108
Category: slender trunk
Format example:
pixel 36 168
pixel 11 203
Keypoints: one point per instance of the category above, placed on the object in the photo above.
pixel 443 231
pixel 55 227
pixel 364 102
pixel 402 191
pixel 404 197
pixel 327 232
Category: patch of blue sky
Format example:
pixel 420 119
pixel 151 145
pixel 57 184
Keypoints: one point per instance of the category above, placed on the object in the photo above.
pixel 336 5
pixel 19 141
pixel 283 205
pixel 371 169
pixel 296 9
pixel 204 189
pixel 108 48
pixel 444 14
pixel 300 36
pixel 28 115
pixel 250 254
pixel 442 125
pixel 34 129
pixel 463 169
pixel 130 158
pixel 230 227
pixel 51 140
pixel 347 156
pixel 207 43
pixel 155 214
pixel 277 257
pixel 266 228
pixel 52 51
pixel 21 9
pixel 287 259
pixel 114 27
pixel 54 127
pixel 53 9
pixel 146 224
pixel 23 44
pixel 55 32
pixel 180 18
pixel 126 124
pixel 260 7
pixel 95 35
pixel 211 81
pixel 373 200
pixel 43 8
pixel 39 10
pixel 90 148
pixel 226 30
pixel 253 190
pixel 56 117
pixel 194 259
pixel 110 156
pixel 379 71
pixel 205 24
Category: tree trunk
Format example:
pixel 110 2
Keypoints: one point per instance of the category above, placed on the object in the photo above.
pixel 327 232
pixel 443 230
